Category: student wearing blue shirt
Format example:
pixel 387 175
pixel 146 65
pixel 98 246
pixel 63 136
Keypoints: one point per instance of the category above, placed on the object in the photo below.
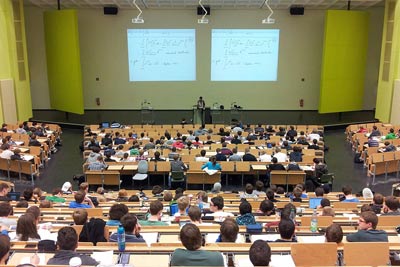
pixel 212 164
pixel 347 191
pixel 80 197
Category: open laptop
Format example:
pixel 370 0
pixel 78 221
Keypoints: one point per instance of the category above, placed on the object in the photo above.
pixel 14 196
pixel 314 202
pixel 105 125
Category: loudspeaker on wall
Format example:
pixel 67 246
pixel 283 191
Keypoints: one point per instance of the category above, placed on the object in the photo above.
pixel 296 10
pixel 110 10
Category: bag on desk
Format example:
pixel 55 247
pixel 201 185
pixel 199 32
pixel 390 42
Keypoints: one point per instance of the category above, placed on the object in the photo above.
pixel 254 228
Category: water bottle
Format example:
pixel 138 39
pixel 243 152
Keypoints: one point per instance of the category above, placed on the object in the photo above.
pixel 314 222
pixel 292 215
pixel 201 205
pixel 121 238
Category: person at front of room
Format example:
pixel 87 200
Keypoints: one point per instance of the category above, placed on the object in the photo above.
pixel 201 106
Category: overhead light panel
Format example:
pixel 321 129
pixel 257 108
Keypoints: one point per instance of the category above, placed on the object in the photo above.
pixel 138 18
pixel 203 19
pixel 268 20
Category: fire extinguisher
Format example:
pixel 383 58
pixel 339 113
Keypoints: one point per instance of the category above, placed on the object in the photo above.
pixel 301 102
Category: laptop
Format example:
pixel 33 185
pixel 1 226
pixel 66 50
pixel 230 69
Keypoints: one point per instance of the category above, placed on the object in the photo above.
pixel 105 125
pixel 14 196
pixel 314 202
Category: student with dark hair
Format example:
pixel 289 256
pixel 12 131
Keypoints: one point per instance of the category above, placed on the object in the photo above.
pixel 217 206
pixel 325 203
pixel 4 249
pixel 246 217
pixel 132 230
pixel 286 231
pixel 56 196
pixel 334 233
pixel 156 208
pixel 115 214
pixel 228 231
pixel 27 228
pixel 367 229
pixel 391 206
pixel 347 191
pixel 377 203
pixel 260 253
pixel 5 211
pixel 267 208
pixel 67 243
pixel 194 256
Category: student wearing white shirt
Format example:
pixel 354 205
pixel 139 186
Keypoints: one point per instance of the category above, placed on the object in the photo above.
pixel 202 157
pixel 281 157
pixel 264 157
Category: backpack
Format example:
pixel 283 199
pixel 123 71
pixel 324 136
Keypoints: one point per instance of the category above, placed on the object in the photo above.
pixel 93 231
pixel 357 158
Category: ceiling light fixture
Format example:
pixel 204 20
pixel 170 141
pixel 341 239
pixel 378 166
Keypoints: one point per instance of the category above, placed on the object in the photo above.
pixel 268 20
pixel 138 18
pixel 203 19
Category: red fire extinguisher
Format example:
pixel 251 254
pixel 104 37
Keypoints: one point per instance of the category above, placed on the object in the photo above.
pixel 301 102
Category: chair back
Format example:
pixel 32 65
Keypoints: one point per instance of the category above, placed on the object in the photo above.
pixel 366 253
pixel 306 254
pixel 143 167
pixel 177 176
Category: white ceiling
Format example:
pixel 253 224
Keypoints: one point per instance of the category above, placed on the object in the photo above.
pixel 217 4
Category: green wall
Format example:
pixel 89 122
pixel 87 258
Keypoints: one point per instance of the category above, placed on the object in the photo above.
pixel 9 60
pixel 344 61
pixel 63 60
pixel 103 47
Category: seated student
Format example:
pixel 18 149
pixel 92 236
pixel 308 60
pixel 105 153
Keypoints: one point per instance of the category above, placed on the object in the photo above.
pixel 115 214
pixel 56 196
pixel 377 203
pixel 195 215
pixel 248 192
pixel 4 249
pixel 132 230
pixel 266 208
pixel 228 231
pixel 367 229
pixel 296 155
pixel 347 190
pixel 97 165
pixel 80 216
pixel 217 208
pixel 27 228
pixel 122 195
pixel 314 145
pixel 67 243
pixel 6 210
pixel 334 233
pixel 246 217
pixel 388 147
pixel 259 188
pixel 286 231
pixel 271 195
pixel 156 208
pixel 260 253
pixel 80 197
pixel 212 164
pixel 183 204
pixel 297 195
pixel 391 134
pixel 193 255
pixel 391 206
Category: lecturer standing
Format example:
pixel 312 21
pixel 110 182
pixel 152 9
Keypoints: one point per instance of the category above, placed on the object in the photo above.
pixel 201 106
